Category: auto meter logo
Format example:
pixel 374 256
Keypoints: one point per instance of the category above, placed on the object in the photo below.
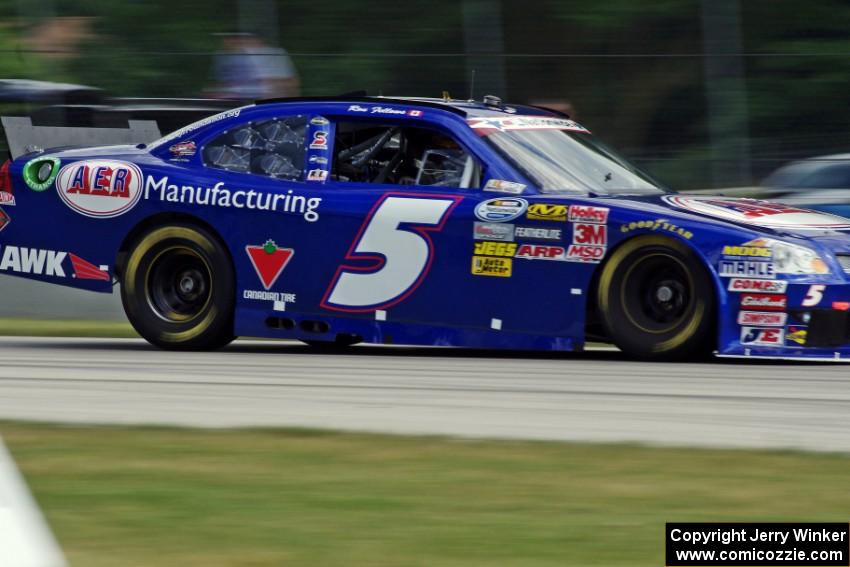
pixel 501 210
pixel 100 188
pixel 758 213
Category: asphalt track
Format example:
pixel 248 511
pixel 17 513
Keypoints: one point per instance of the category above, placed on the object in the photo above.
pixel 594 396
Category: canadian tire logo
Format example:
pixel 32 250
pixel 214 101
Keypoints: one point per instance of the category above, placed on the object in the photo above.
pixel 100 188
pixel 269 261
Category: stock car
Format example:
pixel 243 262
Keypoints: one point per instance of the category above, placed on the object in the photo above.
pixel 422 222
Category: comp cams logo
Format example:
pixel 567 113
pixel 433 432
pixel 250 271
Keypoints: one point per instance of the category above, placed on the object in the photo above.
pixel 100 188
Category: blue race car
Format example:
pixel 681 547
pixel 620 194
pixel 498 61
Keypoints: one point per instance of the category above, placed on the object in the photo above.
pixel 422 221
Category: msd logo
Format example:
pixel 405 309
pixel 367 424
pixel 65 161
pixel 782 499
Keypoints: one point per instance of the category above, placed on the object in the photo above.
pixel 100 188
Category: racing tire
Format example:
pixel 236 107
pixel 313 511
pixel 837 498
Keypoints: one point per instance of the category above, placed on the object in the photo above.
pixel 656 300
pixel 177 289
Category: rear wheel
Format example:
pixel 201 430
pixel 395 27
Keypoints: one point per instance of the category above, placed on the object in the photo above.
pixel 178 289
pixel 656 300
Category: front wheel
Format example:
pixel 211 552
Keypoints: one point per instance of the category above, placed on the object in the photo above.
pixel 656 300
pixel 178 289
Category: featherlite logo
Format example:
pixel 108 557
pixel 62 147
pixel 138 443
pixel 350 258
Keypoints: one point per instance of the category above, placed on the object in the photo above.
pixel 220 196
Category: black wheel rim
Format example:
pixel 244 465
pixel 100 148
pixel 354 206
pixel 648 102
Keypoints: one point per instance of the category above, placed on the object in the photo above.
pixel 178 285
pixel 658 294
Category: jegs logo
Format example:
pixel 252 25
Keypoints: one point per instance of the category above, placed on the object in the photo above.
pixel 100 188
pixel 761 336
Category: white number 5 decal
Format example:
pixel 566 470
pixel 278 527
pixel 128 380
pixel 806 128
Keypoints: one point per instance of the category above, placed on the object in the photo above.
pixel 814 295
pixel 395 237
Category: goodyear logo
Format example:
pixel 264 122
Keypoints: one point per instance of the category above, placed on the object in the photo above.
pixel 507 249
pixel 546 211
pixel 754 251
pixel 489 266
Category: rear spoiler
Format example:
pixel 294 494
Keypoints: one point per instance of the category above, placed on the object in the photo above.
pixel 24 138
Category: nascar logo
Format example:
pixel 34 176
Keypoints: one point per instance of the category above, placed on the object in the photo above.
pixel 100 188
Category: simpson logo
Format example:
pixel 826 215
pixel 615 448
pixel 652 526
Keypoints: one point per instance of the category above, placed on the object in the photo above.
pixel 764 301
pixel 582 213
pixel 320 140
pixel 100 188
pixel 269 261
pixel 747 268
pixel 501 210
pixel 7 199
pixel 763 286
pixel 584 253
pixel 596 234
pixel 488 266
pixel 762 337
pixel 764 319
pixel 546 211
pixel 750 251
pixel 506 249
pixel 540 252
pixel 538 233
pixel 493 231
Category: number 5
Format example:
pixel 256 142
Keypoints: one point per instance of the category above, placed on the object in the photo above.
pixel 814 295
pixel 402 255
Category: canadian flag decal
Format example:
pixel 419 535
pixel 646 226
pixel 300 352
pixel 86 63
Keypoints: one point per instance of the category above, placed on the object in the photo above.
pixel 84 270
pixel 269 261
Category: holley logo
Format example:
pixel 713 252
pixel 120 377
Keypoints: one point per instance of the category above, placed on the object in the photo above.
pixel 100 188
pixel 269 261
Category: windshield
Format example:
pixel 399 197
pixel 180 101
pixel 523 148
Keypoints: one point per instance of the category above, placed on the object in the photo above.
pixel 560 156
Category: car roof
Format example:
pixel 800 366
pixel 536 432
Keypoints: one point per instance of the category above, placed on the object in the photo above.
pixel 468 108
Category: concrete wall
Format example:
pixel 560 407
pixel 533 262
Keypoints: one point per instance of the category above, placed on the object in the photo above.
pixel 36 300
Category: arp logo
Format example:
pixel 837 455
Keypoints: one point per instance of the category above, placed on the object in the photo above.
pixel 546 211
pixel 595 234
pixel 540 252
pixel 100 188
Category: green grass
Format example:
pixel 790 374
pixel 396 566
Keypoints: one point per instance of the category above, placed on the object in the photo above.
pixel 13 327
pixel 169 497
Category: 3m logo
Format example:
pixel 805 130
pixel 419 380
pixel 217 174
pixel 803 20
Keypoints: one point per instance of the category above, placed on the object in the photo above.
pixel 100 188
pixel 545 211
pixel 488 266
pixel 269 261
pixel 507 249
pixel 596 234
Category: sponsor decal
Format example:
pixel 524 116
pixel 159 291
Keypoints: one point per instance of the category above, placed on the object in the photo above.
pixel 501 209
pixel 4 219
pixel 596 234
pixel 796 334
pixel 7 199
pixel 100 188
pixel 765 319
pixel 541 252
pixel 748 251
pixel 763 286
pixel 502 186
pixel 279 299
pixel 747 268
pixel 199 124
pixel 490 266
pixel 585 213
pixel 760 336
pixel 183 149
pixel 320 140
pixel 490 125
pixel 506 249
pixel 317 175
pixel 221 196
pixel 547 211
pixel 758 213
pixel 269 261
pixel 538 233
pixel 36 261
pixel 493 231
pixel 319 121
pixel 662 225
pixel 584 253
pixel 764 301
pixel 40 173
pixel 318 160
pixel 414 113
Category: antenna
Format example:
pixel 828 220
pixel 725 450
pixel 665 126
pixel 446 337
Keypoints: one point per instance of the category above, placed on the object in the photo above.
pixel 472 86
